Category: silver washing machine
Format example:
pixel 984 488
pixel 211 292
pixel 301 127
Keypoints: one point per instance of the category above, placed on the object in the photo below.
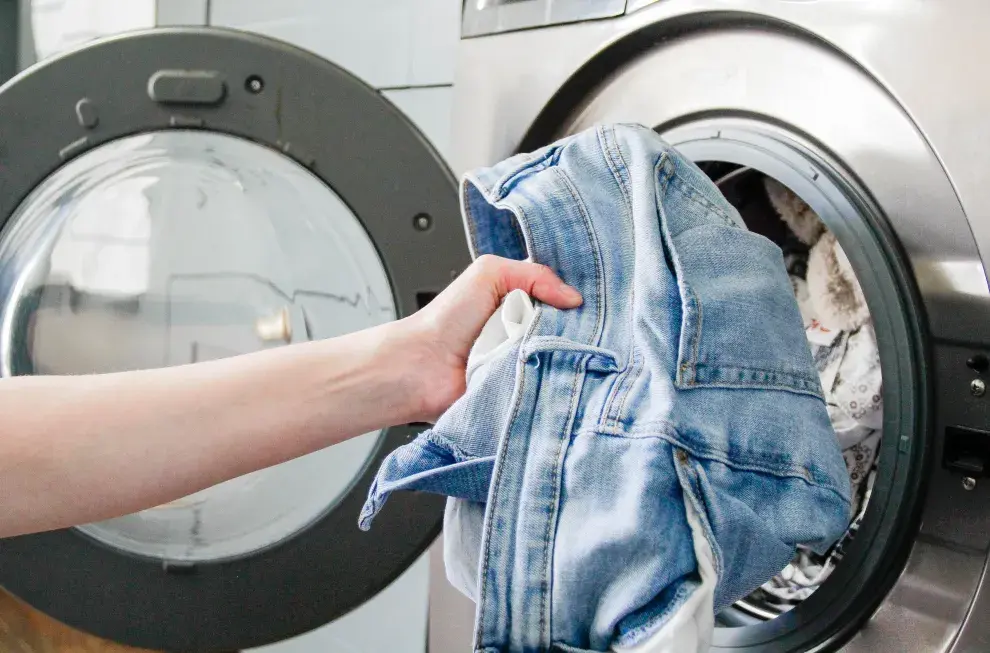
pixel 872 113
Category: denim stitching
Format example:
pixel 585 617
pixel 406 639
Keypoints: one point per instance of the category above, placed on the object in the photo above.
pixel 627 385
pixel 692 478
pixel 606 144
pixel 616 399
pixel 599 264
pixel 619 393
pixel 599 325
pixel 738 462
pixel 500 467
pixel 690 193
pixel 551 520
pixel 530 165
pixel 684 475
pixel 445 445
pixel 678 600
pixel 712 385
pixel 697 332
pixel 690 307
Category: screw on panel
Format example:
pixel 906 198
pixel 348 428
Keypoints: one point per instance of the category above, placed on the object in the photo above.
pixel 969 483
pixel 422 222
pixel 254 84
pixel 977 387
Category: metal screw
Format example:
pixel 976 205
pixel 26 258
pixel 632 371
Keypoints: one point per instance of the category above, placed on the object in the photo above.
pixel 969 483
pixel 254 84
pixel 422 222
pixel 977 387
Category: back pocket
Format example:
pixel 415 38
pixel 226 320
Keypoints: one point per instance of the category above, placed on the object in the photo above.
pixel 741 326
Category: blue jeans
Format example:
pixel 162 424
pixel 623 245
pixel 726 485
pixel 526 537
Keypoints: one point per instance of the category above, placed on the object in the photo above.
pixel 683 385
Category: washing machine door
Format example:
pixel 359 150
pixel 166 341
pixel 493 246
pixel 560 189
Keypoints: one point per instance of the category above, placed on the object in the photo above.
pixel 175 196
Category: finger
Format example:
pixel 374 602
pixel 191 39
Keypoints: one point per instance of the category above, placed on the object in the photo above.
pixel 538 281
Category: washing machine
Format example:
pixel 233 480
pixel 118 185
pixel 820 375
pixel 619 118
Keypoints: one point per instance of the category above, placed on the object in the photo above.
pixel 869 112
pixel 175 195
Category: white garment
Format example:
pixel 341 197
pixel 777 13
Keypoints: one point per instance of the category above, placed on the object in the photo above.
pixel 504 328
pixel 690 629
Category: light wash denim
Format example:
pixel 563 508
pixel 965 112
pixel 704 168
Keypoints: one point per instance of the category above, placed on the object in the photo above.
pixel 685 379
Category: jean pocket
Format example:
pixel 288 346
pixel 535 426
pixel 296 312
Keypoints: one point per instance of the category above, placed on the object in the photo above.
pixel 427 464
pixel 740 323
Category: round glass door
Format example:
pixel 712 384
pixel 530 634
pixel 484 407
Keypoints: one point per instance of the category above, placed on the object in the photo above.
pixel 174 247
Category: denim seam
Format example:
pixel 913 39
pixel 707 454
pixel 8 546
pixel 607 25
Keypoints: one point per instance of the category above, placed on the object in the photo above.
pixel 699 320
pixel 688 492
pixel 736 462
pixel 599 326
pixel 752 386
pixel 520 214
pixel 442 443
pixel 500 464
pixel 615 402
pixel 692 493
pixel 601 299
pixel 690 193
pixel 786 371
pixel 551 519
pixel 690 306
pixel 613 168
pixel 493 498
pixel 678 600
pixel 628 381
pixel 501 188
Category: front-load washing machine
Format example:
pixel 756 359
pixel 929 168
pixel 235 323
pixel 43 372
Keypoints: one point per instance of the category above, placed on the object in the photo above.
pixel 187 194
pixel 869 115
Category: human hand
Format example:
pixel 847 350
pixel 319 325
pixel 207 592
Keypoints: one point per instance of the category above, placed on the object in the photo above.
pixel 438 338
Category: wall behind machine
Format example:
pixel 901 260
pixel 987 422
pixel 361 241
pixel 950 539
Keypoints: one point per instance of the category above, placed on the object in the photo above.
pixel 405 49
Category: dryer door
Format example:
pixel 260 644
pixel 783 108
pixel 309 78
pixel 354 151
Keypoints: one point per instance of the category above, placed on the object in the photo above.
pixel 181 195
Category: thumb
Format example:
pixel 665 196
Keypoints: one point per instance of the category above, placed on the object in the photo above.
pixel 538 281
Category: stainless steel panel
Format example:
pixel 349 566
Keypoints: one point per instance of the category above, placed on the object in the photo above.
pixel 923 612
pixel 831 97
pixel 888 90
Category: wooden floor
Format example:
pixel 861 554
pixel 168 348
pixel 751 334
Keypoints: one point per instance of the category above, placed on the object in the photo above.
pixel 25 630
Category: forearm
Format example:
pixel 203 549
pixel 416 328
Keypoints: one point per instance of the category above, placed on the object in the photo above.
pixel 80 449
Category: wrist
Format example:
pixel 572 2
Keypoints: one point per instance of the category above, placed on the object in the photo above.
pixel 429 377
pixel 403 363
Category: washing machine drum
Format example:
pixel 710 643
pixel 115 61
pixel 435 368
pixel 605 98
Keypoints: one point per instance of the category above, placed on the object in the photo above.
pixel 178 196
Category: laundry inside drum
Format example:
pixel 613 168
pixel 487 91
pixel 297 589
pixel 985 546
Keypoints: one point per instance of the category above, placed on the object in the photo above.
pixel 844 347
pixel 178 247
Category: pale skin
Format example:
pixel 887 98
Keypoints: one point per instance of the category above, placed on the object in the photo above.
pixel 77 449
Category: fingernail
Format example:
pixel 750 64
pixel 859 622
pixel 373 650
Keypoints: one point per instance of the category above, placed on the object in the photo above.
pixel 571 294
